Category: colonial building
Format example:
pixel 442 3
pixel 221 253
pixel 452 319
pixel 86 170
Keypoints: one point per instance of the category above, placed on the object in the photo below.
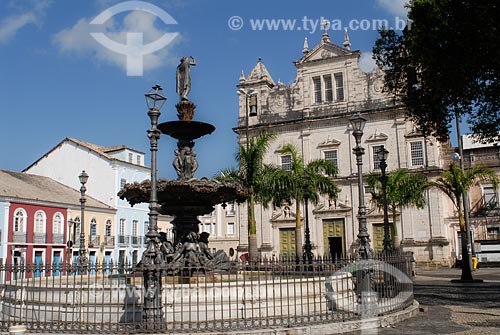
pixel 222 225
pixel 34 217
pixel 109 168
pixel 484 204
pixel 313 114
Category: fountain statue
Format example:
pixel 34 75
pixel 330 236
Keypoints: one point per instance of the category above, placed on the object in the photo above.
pixel 187 197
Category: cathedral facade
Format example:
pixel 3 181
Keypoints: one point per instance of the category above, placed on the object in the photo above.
pixel 313 113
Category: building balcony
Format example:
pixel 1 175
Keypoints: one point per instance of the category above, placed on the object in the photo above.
pixel 135 240
pixel 19 237
pixel 109 241
pixel 94 241
pixel 123 239
pixel 39 238
pixel 58 239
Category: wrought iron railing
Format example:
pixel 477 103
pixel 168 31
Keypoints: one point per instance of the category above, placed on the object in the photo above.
pixel 20 237
pixel 109 298
pixel 39 238
pixel 58 238
pixel 94 241
pixel 109 241
pixel 135 240
pixel 123 239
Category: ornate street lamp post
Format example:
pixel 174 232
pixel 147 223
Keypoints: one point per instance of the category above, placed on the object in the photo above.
pixel 364 251
pixel 152 258
pixel 365 296
pixel 382 156
pixel 467 246
pixel 82 261
pixel 307 233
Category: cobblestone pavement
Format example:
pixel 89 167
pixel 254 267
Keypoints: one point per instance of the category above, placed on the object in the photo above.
pixel 451 308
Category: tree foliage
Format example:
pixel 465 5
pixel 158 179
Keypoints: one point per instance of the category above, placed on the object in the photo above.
pixel 456 182
pixel 446 62
pixel 252 173
pixel 403 189
pixel 290 185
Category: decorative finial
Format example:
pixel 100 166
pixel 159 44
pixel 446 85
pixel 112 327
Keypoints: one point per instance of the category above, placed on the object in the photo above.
pixel 325 25
pixel 305 50
pixel 347 42
pixel 242 76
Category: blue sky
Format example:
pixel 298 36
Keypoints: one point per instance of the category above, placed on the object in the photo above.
pixel 56 81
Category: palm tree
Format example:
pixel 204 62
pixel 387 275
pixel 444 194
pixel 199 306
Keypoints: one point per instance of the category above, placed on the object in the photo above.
pixel 287 185
pixel 456 182
pixel 251 174
pixel 403 190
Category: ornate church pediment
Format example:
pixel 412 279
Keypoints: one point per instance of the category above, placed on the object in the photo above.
pixel 329 142
pixel 414 133
pixel 325 51
pixel 377 136
pixel 330 206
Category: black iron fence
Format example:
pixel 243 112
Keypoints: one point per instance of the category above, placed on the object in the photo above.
pixel 250 295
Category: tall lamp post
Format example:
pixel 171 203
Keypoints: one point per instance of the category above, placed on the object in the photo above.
pixel 250 110
pixel 151 258
pixel 364 251
pixel 365 296
pixel 307 233
pixel 82 261
pixel 382 156
pixel 466 240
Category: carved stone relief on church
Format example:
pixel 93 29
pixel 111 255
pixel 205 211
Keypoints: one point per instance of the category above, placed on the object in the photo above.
pixel 377 136
pixel 329 142
pixel 326 54
pixel 283 213
pixel 296 95
pixel 375 84
pixel 279 98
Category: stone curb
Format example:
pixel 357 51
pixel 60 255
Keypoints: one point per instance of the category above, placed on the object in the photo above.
pixel 326 328
pixel 337 327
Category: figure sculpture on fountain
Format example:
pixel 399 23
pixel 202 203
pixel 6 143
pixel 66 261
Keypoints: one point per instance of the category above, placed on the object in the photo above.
pixel 185 107
pixel 185 163
pixel 183 77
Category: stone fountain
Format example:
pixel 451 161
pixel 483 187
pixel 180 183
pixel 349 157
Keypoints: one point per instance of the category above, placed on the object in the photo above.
pixel 187 197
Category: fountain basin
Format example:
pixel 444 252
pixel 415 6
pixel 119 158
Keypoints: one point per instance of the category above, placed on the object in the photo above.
pixel 186 130
pixel 189 194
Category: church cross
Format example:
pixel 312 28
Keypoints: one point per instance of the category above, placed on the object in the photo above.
pixel 325 25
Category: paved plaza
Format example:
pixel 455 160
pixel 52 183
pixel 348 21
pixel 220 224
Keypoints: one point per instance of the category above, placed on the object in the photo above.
pixel 446 308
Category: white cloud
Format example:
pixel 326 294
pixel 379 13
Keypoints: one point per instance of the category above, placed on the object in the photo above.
pixel 10 25
pixel 366 62
pixel 77 40
pixel 396 7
